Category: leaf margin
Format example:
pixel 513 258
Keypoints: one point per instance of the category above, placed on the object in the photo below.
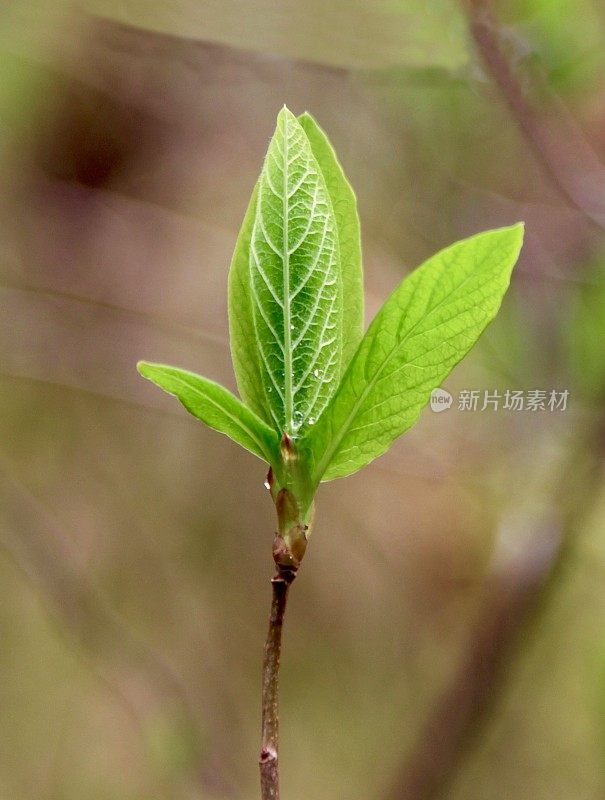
pixel 244 354
pixel 344 205
pixel 282 354
pixel 323 469
pixel 254 434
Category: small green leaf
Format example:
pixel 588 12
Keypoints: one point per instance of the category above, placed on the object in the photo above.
pixel 344 204
pixel 217 407
pixel 423 330
pixel 295 281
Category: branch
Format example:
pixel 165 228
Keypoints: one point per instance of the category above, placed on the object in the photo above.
pixel 268 761
pixel 466 704
pixel 561 147
pixel 518 589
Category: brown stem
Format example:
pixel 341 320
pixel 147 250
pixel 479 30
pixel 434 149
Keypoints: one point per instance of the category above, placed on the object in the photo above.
pixel 268 761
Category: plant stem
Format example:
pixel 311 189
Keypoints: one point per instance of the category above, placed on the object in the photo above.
pixel 269 769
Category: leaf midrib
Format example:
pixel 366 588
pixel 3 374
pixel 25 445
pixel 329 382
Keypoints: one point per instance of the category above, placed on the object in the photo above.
pixel 288 397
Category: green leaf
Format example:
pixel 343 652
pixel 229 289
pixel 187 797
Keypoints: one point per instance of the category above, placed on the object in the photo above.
pixel 344 204
pixel 295 281
pixel 244 351
pixel 423 330
pixel 242 334
pixel 217 407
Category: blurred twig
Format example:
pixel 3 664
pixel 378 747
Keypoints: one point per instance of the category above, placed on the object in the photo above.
pixel 91 393
pixel 186 331
pixel 465 704
pixel 515 591
pixel 560 146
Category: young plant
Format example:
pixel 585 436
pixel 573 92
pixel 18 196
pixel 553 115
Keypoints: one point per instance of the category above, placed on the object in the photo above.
pixel 320 399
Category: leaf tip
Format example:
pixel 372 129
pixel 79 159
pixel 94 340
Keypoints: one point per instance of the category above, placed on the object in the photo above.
pixel 144 368
pixel 510 236
pixel 285 115
pixel 518 229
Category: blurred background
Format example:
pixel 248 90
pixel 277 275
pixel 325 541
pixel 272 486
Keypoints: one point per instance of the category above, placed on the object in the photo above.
pixel 445 637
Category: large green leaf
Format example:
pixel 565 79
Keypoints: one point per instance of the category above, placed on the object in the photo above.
pixel 344 204
pixel 423 330
pixel 244 350
pixel 295 281
pixel 217 407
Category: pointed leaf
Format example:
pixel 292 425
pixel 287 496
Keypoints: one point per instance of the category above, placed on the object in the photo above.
pixel 295 281
pixel 217 407
pixel 242 334
pixel 344 204
pixel 423 330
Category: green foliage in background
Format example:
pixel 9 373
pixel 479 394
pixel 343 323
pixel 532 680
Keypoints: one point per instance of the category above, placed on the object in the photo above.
pixel 585 333
pixel 564 36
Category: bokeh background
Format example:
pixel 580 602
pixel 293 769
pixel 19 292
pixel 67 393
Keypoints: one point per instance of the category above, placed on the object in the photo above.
pixel 445 637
